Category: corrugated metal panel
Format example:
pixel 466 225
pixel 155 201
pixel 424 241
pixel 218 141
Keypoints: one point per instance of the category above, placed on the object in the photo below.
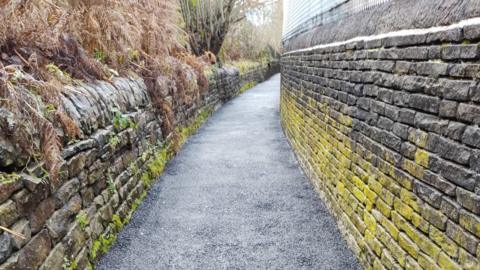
pixel 303 15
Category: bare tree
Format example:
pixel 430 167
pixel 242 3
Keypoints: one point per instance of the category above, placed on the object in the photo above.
pixel 257 37
pixel 207 21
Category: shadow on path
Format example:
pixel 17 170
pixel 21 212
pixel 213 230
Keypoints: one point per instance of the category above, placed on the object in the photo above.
pixel 233 198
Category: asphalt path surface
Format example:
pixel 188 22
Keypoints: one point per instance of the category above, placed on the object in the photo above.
pixel 233 198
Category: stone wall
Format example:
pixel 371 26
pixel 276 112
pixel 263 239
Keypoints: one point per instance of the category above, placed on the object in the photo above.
pixel 388 130
pixel 251 77
pixel 69 223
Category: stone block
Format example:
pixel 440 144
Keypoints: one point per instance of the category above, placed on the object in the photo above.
pixel 452 172
pixel 471 32
pixel 435 52
pixel 6 247
pixel 449 149
pixel 475 91
pixel 88 196
pixel 455 130
pixel 82 259
pixel 59 222
pixel 434 216
pixel 406 116
pixel 460 52
pixel 8 213
pixel 470 222
pixel 27 201
pixel 448 108
pixel 447 244
pixel 450 35
pixel 471 136
pixel 456 90
pixel 408 245
pixel 431 69
pixel 427 263
pixel 41 213
pixel 475 161
pixel 462 238
pixel 56 258
pixel 439 182
pixel 447 263
pixel 469 200
pixel 23 228
pixel 74 240
pixel 64 193
pixel 76 164
pixel 428 194
pixel 408 150
pixel 34 253
pixel 467 260
pixel 469 113
pixel 430 122
pixel 7 189
pixel 464 70
pixel 450 208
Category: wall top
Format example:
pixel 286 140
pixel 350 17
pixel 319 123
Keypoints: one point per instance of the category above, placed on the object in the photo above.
pixel 303 15
pixel 349 19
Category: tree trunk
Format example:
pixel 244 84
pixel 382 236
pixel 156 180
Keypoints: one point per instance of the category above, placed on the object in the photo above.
pixel 206 24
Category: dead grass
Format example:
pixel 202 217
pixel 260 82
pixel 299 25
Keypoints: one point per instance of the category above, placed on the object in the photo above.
pixel 49 43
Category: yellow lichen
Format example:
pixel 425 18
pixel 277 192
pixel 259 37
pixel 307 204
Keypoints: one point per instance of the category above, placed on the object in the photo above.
pixel 422 158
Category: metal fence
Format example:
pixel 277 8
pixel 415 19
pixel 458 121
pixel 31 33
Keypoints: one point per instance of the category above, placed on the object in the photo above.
pixel 303 15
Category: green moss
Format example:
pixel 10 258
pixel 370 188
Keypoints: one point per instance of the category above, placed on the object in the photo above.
pixel 49 108
pixel 69 265
pixel 184 132
pixel 55 70
pixel 110 184
pixel 102 245
pixel 120 121
pixel 155 167
pixel 8 178
pixel 82 220
pixel 134 55
pixel 95 248
pixel 247 86
pixel 133 168
pixel 100 55
pixel 113 141
pixel 117 222
pixel 135 206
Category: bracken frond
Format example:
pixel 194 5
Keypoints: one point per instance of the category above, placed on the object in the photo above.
pixel 47 44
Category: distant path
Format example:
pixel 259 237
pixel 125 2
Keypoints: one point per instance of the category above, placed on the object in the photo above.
pixel 233 198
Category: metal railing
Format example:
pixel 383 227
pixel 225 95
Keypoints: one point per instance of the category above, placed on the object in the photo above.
pixel 303 15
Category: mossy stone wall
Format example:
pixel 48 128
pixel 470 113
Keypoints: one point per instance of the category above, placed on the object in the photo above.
pixel 69 223
pixel 388 130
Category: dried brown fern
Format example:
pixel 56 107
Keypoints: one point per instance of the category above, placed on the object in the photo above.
pixel 32 130
pixel 51 147
pixel 69 126
pixel 85 39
